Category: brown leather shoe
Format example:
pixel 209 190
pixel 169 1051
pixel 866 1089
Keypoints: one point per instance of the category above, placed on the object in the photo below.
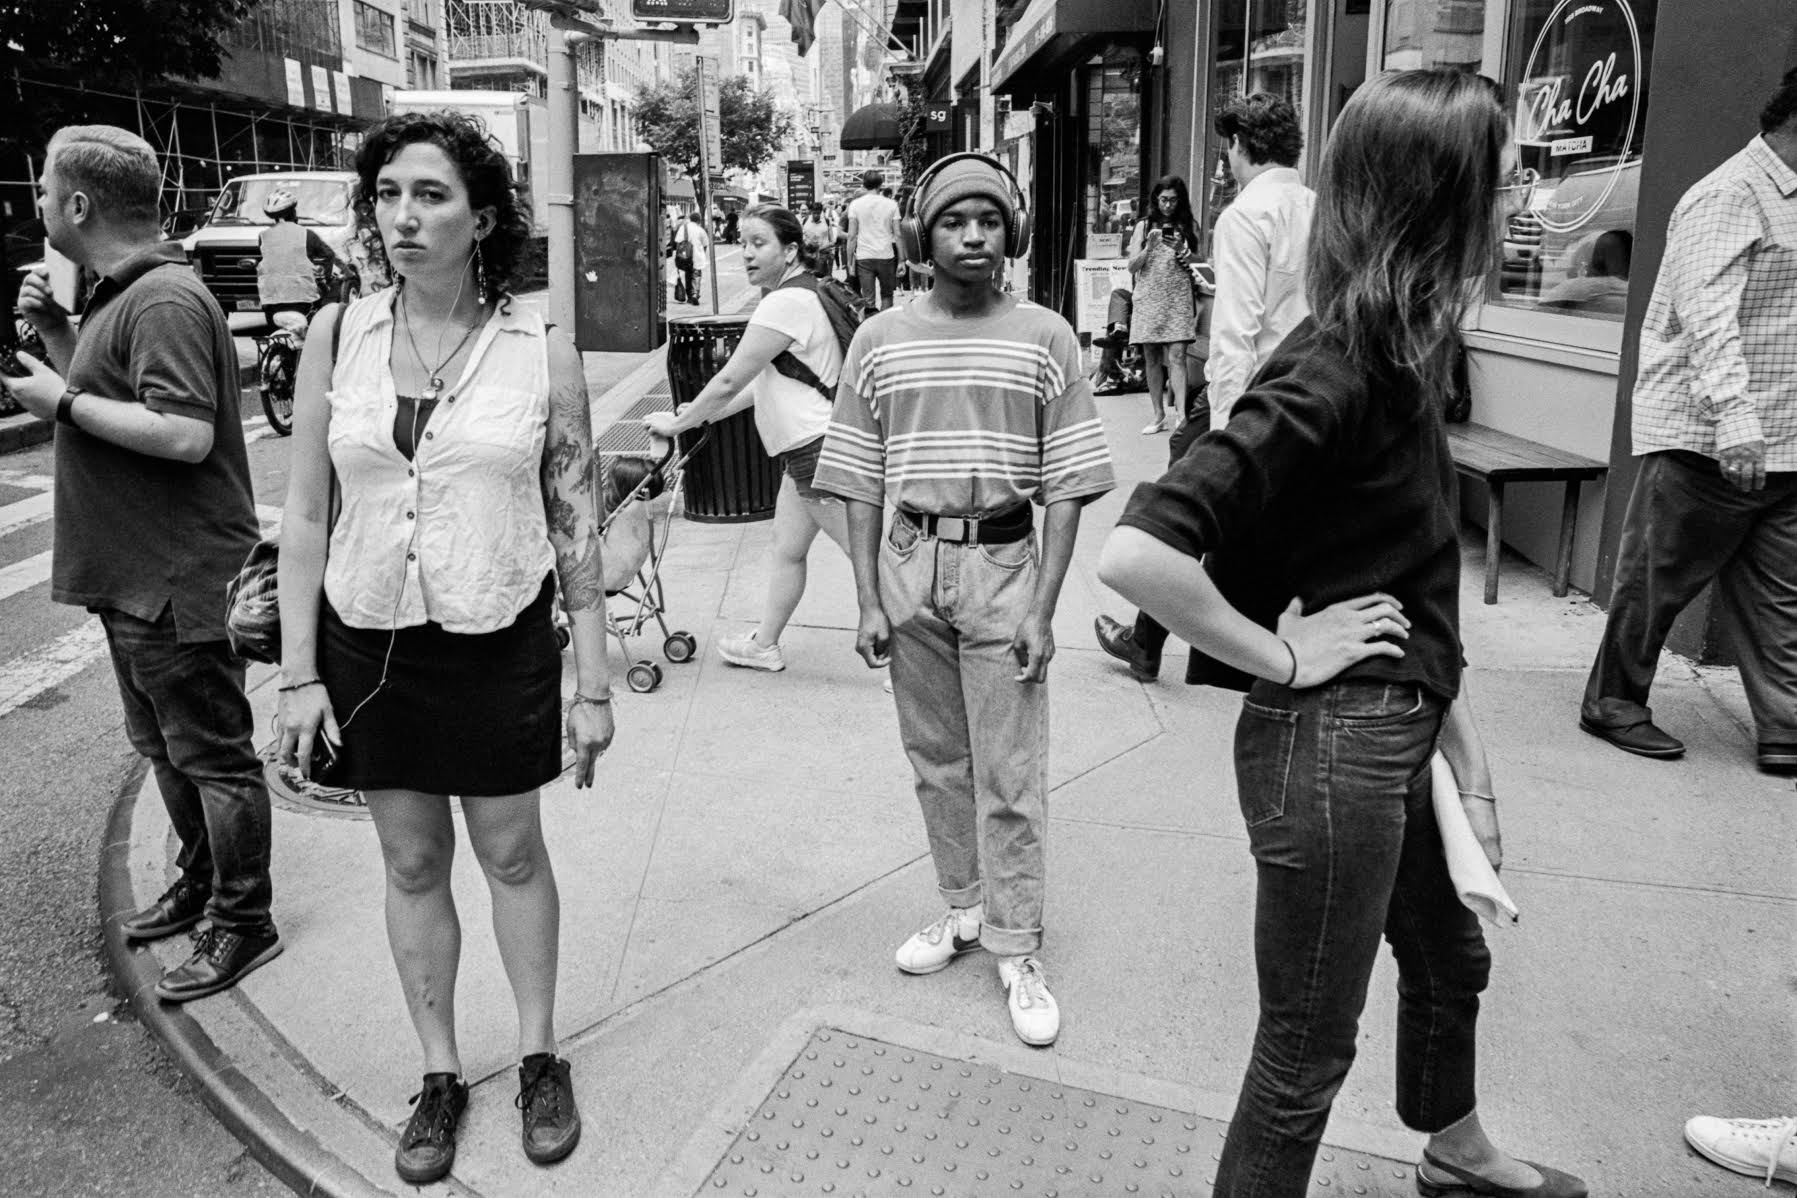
pixel 220 960
pixel 1643 740
pixel 1119 640
pixel 180 907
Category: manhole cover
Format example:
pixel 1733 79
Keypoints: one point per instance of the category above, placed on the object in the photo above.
pixel 855 1116
pixel 289 790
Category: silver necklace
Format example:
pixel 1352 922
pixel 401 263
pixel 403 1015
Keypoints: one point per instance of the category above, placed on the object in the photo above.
pixel 434 388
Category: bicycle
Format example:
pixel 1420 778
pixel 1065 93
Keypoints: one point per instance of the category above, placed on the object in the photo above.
pixel 278 352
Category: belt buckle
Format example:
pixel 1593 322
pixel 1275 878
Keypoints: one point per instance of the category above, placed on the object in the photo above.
pixel 956 528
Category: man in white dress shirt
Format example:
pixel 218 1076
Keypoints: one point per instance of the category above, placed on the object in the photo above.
pixel 1259 245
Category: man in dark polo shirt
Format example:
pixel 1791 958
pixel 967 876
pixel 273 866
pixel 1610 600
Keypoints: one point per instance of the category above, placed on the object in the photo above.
pixel 154 514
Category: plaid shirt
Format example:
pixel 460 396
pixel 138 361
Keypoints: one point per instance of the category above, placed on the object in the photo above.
pixel 1719 343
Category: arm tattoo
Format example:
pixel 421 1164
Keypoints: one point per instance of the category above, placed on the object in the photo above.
pixel 582 576
pixel 561 516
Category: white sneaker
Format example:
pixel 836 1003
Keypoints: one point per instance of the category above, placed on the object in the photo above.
pixel 1159 426
pixel 1034 1012
pixel 933 948
pixel 1764 1148
pixel 751 654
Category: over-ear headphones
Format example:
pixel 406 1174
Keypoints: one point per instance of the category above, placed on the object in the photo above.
pixel 914 238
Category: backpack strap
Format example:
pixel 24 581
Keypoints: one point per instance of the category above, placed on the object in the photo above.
pixel 787 362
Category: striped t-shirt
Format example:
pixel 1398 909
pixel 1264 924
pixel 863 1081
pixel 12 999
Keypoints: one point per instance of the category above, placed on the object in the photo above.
pixel 964 417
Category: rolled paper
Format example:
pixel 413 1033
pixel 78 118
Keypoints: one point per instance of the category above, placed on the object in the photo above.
pixel 1474 880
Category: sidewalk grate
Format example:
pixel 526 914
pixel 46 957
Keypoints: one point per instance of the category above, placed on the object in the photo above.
pixel 856 1116
pixel 627 434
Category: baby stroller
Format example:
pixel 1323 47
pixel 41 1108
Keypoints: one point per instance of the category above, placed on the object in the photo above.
pixel 638 495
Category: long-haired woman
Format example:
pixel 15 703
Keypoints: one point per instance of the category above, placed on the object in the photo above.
pixel 1326 507
pixel 791 415
pixel 417 639
pixel 1164 314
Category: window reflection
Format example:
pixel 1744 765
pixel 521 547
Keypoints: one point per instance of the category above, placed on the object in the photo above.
pixel 1260 48
pixel 1113 171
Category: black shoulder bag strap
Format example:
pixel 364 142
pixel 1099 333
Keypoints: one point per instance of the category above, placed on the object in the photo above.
pixel 787 362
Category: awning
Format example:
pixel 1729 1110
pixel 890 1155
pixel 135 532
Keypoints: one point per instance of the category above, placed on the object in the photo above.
pixel 1050 32
pixel 871 127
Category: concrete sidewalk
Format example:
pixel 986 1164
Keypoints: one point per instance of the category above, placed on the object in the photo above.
pixel 734 888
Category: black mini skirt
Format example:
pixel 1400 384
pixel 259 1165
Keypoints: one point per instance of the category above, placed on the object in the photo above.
pixel 458 714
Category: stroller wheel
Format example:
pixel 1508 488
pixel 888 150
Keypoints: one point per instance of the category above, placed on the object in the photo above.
pixel 679 647
pixel 642 677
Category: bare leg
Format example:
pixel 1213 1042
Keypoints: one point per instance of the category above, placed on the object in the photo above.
pixel 1466 1146
pixel 418 845
pixel 1176 378
pixel 794 530
pixel 1154 362
pixel 507 835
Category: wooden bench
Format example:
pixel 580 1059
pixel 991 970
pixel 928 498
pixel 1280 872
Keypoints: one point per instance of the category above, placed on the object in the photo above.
pixel 1497 458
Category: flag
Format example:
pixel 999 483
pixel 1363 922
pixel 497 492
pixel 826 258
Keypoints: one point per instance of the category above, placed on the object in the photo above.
pixel 802 16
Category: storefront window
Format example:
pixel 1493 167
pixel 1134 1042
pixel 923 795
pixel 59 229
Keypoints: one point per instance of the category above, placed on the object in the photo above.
pixel 1113 172
pixel 1260 48
pixel 1578 76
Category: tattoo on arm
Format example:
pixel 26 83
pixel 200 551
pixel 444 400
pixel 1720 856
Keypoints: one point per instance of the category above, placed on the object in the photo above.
pixel 582 575
pixel 561 516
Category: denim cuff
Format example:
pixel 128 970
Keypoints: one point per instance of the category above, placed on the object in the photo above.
pixel 1010 942
pixel 966 896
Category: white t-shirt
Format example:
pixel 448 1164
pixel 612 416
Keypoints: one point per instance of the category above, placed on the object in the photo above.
pixel 877 219
pixel 787 412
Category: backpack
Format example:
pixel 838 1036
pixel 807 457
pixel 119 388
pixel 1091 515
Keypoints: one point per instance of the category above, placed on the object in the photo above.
pixel 845 311
pixel 683 247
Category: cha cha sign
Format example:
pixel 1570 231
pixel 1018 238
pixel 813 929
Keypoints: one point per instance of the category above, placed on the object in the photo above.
pixel 1579 107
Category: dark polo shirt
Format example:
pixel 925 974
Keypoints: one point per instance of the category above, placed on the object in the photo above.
pixel 134 533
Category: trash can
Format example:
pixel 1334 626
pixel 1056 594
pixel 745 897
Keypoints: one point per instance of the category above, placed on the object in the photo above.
pixel 730 479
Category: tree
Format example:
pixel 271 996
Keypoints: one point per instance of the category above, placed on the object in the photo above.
pixel 141 40
pixel 753 126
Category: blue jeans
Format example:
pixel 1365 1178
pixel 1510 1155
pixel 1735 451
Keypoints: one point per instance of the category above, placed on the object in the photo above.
pixel 186 712
pixel 977 738
pixel 1334 785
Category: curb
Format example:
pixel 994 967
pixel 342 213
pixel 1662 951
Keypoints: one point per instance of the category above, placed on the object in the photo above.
pixel 293 1155
pixel 24 431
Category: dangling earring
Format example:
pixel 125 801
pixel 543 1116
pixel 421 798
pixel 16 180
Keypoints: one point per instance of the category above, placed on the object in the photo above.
pixel 480 275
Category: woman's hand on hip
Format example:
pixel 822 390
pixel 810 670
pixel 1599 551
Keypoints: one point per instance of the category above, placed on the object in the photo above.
pixel 305 715
pixel 590 729
pixel 1328 642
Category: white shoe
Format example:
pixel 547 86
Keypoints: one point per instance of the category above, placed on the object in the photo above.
pixel 933 948
pixel 887 685
pixel 751 654
pixel 1034 1012
pixel 1765 1148
pixel 1159 426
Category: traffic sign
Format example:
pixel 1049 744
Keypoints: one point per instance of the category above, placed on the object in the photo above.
pixel 685 12
pixel 708 114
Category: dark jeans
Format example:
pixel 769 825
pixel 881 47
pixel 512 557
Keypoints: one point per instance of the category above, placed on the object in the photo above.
pixel 884 271
pixel 1685 526
pixel 1334 785
pixel 1148 631
pixel 186 712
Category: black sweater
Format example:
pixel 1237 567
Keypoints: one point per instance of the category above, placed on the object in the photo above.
pixel 1327 483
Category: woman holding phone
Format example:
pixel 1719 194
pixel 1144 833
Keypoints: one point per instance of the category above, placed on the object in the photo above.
pixel 1165 316
pixel 1325 510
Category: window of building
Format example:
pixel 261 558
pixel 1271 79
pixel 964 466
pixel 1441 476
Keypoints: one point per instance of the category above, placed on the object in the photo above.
pixel 421 71
pixel 1575 73
pixel 1113 170
pixel 1260 48
pixel 374 29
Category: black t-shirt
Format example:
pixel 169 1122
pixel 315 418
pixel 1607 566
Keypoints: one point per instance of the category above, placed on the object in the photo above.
pixel 1326 484
pixel 135 533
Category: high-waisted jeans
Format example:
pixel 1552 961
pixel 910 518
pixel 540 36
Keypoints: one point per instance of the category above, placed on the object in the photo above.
pixel 977 738
pixel 1335 787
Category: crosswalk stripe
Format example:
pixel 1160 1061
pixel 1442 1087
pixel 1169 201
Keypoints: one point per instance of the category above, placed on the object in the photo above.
pixel 25 480
pixel 25 678
pixel 25 513
pixel 23 575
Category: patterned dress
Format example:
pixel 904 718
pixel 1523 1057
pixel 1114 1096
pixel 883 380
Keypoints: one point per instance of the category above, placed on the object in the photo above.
pixel 1163 311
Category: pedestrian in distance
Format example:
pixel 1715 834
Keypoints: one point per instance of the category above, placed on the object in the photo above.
pixel 873 240
pixel 961 409
pixel 1715 427
pixel 153 516
pixel 820 240
pixel 1330 494
pixel 418 644
pixel 293 261
pixel 790 415
pixel 1258 255
pixel 1164 319
pixel 687 244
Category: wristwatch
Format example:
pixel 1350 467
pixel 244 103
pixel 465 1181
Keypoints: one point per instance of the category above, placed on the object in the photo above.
pixel 65 407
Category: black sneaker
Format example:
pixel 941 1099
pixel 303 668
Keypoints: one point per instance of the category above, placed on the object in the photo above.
pixel 427 1145
pixel 220 960
pixel 180 907
pixel 1119 640
pixel 546 1096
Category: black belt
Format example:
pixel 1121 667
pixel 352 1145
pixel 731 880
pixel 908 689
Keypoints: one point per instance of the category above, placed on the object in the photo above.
pixel 1000 528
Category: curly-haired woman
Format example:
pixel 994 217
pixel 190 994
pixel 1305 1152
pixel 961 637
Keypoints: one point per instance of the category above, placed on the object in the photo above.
pixel 1164 315
pixel 417 638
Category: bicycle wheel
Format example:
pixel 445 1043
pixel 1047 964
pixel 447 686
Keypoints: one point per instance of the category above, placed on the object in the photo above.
pixel 276 373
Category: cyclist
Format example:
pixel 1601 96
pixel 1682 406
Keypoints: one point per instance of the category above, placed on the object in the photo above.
pixel 295 261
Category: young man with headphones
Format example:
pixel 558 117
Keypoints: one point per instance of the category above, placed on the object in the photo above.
pixel 960 409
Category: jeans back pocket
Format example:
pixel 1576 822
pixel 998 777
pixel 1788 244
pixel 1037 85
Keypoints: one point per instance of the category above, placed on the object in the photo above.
pixel 1265 740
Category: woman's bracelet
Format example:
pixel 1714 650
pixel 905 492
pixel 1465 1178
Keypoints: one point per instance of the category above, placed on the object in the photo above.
pixel 1293 654
pixel 596 700
pixel 1473 794
pixel 299 686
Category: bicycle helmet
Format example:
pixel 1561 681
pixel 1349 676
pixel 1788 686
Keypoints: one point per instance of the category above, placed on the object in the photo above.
pixel 279 200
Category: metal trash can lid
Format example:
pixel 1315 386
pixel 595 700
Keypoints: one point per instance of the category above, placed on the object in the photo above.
pixel 704 326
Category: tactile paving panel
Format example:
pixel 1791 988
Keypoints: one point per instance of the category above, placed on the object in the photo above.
pixel 627 434
pixel 855 1116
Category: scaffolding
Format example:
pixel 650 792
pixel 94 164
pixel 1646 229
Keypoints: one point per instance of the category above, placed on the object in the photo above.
pixel 290 29
pixel 488 37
